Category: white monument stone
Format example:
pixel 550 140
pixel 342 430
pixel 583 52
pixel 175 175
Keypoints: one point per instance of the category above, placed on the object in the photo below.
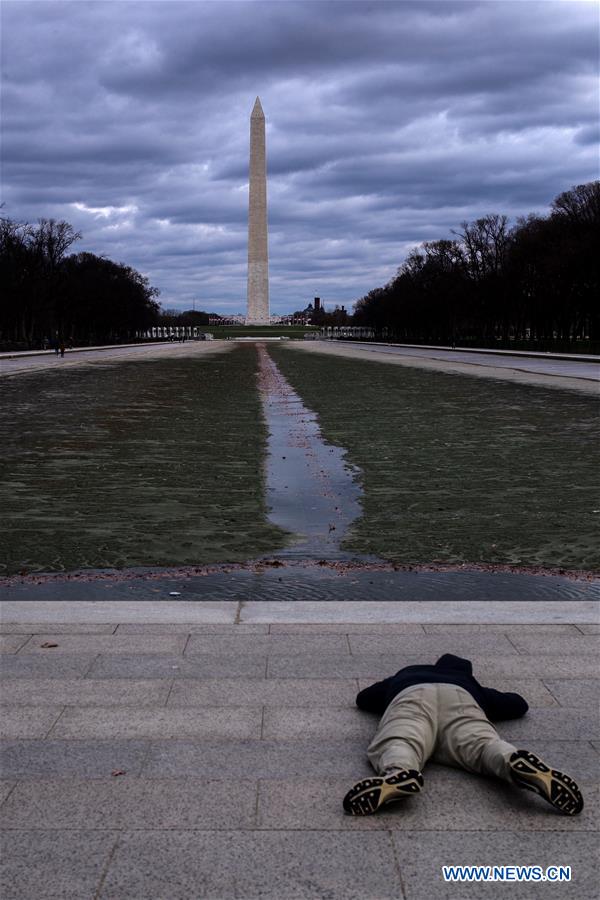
pixel 258 254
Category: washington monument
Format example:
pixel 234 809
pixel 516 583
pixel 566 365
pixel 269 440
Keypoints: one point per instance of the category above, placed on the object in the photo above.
pixel 258 254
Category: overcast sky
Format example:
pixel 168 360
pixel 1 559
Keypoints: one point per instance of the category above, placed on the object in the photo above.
pixel 388 123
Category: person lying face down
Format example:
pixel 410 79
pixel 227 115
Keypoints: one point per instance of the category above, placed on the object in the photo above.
pixel 441 712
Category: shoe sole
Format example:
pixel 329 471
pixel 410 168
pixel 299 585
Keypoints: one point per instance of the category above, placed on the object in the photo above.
pixel 369 795
pixel 530 772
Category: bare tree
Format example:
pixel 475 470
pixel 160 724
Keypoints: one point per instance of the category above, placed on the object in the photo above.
pixel 581 204
pixel 538 281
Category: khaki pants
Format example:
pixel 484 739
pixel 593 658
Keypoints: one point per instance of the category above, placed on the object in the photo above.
pixel 441 722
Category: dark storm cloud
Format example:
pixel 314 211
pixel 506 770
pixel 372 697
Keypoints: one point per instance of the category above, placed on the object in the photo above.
pixel 388 123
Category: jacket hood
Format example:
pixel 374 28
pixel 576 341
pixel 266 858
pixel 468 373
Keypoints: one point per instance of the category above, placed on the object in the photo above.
pixel 455 663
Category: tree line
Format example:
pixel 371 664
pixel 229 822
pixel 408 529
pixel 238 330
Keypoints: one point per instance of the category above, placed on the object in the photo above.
pixel 51 297
pixel 533 283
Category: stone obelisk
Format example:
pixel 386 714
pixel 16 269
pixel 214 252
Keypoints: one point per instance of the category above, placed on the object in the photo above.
pixel 258 254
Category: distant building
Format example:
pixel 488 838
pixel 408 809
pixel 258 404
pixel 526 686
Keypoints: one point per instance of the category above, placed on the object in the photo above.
pixel 306 316
pixel 227 320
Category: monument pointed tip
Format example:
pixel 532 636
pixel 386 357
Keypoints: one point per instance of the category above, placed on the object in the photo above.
pixel 257 110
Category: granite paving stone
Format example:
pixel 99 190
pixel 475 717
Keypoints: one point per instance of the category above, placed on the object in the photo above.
pixel 6 786
pixel 560 644
pixel 89 759
pixel 380 665
pixel 192 628
pixel 584 693
pixel 287 644
pixel 499 628
pixel 86 691
pixel 294 723
pixel 540 666
pixel 122 610
pixel 139 666
pixel 48 664
pixel 264 759
pixel 159 722
pixel 263 692
pixel 589 629
pixel 305 803
pixel 267 759
pixel 421 612
pixel 130 802
pixel 245 865
pixel 421 855
pixel 57 628
pixel 551 723
pixel 433 644
pixel 109 643
pixel 237 754
pixel 346 628
pixel 27 721
pixel 156 611
pixel 11 643
pixel 53 864
pixel 330 665
pixel 463 803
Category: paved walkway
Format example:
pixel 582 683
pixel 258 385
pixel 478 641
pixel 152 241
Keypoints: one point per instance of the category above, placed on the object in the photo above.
pixel 201 750
pixel 49 361
pixel 548 371
pixel 570 366
pixel 545 369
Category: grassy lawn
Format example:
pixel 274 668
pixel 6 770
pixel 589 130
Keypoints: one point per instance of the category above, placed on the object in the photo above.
pixel 136 463
pixel 459 469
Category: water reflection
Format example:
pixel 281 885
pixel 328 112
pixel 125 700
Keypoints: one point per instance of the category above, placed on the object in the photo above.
pixel 295 580
pixel 311 490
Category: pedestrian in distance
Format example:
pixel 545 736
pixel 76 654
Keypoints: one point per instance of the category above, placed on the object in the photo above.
pixel 62 348
pixel 441 712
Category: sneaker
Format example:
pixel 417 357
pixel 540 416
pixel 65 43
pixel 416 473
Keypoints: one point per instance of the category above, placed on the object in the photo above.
pixel 529 772
pixel 370 794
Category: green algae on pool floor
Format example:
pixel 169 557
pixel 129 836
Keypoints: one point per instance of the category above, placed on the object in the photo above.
pixel 457 469
pixel 134 464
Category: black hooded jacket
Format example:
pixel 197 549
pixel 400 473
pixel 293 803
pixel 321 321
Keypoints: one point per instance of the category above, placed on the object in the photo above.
pixel 448 669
